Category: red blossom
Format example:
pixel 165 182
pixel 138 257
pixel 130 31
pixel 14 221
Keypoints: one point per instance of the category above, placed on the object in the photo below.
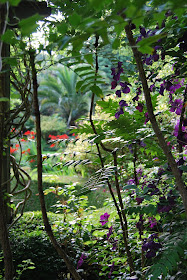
pixel 27 132
pixel 12 150
pixel 23 140
pixel 52 145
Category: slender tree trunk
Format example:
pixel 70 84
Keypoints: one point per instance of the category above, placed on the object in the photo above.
pixel 48 229
pixel 178 178
pixel 4 173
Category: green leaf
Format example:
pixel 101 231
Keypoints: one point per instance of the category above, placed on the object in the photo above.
pixel 144 45
pixel 116 44
pixel 128 187
pixel 12 2
pixel 74 19
pixel 183 167
pixel 29 25
pixel 9 37
pixel 99 233
pixel 95 89
pixel 79 84
pixel 62 28
pixel 89 58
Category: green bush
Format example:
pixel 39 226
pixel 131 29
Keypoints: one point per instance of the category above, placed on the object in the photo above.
pixel 30 241
pixel 53 125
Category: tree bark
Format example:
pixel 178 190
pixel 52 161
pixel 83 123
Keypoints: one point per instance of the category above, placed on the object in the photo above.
pixel 48 229
pixel 4 238
pixel 178 178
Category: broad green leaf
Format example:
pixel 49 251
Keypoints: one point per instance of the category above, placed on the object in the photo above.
pixel 144 45
pixel 95 89
pixel 29 25
pixel 74 19
pixel 116 44
pixel 99 233
pixel 13 2
pixel 9 37
pixel 62 28
pixel 89 58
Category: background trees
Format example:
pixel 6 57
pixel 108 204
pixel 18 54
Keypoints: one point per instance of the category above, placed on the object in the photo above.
pixel 58 91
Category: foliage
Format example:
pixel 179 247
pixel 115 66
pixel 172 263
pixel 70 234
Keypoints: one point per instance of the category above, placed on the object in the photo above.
pixel 52 125
pixel 58 90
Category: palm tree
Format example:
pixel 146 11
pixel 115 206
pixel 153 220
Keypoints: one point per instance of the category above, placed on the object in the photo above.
pixel 57 90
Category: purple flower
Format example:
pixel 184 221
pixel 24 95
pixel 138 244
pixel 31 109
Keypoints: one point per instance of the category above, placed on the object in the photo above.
pixel 146 117
pixel 110 231
pixel 152 221
pixel 118 93
pixel 143 31
pixel 176 129
pixel 177 106
pixel 123 103
pixel 81 260
pixel 151 246
pixel 120 112
pixel 131 182
pixel 151 87
pixel 125 88
pixel 111 270
pixel 139 200
pixel 114 247
pixel 148 60
pixel 161 91
pixel 139 107
pixel 104 218
pixel 155 57
pixel 113 84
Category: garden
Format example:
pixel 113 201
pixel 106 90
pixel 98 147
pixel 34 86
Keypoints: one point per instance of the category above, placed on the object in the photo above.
pixel 93 147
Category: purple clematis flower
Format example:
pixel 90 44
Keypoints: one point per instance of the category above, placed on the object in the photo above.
pixel 104 218
pixel 113 84
pixel 146 117
pixel 125 87
pixel 110 231
pixel 118 93
pixel 139 107
pixel 111 270
pixel 176 106
pixel 123 103
pixel 81 260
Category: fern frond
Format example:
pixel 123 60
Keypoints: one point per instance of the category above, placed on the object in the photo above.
pixel 172 253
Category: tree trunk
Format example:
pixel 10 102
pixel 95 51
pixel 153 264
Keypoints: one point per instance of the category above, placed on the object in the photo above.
pixel 4 162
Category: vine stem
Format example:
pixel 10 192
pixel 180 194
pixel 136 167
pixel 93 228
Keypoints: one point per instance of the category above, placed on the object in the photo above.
pixel 181 121
pixel 178 178
pixel 47 225
pixel 121 213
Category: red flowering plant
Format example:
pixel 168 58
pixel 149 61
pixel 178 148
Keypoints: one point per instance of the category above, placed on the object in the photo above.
pixel 26 149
